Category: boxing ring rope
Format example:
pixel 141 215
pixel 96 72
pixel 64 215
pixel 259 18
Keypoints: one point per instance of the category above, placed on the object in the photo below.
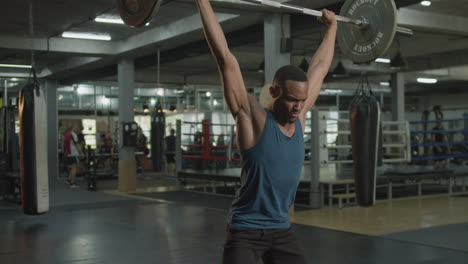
pixel 439 144
pixel 349 146
pixel 439 131
pixel 206 146
pixel 436 121
pixel 427 155
pixel 440 157
pixel 402 130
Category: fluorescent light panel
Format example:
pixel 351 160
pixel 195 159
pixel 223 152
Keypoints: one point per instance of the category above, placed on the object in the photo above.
pixel 383 60
pixel 333 91
pixel 16 66
pixel 385 83
pixel 112 20
pixel 426 80
pixel 426 3
pixel 80 35
pixel 109 20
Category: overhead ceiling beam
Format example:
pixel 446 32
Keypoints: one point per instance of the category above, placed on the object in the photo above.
pixel 159 35
pixel 62 45
pixel 432 22
pixel 94 47
pixel 15 74
pixel 67 66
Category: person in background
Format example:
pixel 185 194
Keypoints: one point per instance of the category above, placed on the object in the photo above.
pixel 73 152
pixel 81 138
pixel 106 146
pixel 440 149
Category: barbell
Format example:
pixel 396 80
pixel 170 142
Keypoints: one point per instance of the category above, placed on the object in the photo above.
pixel 368 31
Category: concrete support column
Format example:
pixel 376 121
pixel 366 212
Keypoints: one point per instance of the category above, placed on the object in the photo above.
pixel 276 27
pixel 52 129
pixel 127 162
pixel 398 96
pixel 315 199
pixel 5 93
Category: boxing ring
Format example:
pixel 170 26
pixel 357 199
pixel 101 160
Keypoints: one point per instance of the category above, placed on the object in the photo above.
pixel 327 178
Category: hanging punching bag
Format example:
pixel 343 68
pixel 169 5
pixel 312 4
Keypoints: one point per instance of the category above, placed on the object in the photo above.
pixel 158 125
pixel 32 114
pixel 364 113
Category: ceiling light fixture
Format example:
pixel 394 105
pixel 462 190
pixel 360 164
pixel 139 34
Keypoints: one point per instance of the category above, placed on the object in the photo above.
pixel 81 35
pixel 383 60
pixel 16 66
pixel 109 20
pixel 426 3
pixel 385 83
pixel 333 91
pixel 426 80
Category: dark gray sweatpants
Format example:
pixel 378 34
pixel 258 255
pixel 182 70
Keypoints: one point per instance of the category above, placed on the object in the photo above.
pixel 274 246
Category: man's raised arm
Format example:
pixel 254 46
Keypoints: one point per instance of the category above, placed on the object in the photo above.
pixel 231 77
pixel 320 62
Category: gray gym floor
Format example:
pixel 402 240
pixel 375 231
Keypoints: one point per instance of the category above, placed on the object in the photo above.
pixel 453 236
pixel 86 227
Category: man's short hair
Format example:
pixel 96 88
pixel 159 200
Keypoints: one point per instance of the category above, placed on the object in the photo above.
pixel 289 72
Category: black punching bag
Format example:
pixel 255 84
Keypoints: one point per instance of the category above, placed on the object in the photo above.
pixel 158 125
pixel 32 114
pixel 364 114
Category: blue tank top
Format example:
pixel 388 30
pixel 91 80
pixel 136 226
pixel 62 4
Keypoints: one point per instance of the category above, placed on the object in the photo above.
pixel 271 171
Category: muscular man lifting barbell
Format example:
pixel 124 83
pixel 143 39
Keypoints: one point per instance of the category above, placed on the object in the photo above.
pixel 272 146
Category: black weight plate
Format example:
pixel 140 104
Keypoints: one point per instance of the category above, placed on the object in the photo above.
pixel 363 44
pixel 136 13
